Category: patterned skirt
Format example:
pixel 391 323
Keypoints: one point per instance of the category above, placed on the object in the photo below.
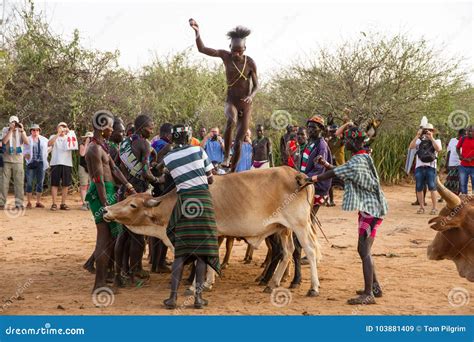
pixel 452 181
pixel 192 228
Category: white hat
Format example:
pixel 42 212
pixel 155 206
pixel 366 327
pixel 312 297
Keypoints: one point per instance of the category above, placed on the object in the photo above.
pixel 13 118
pixel 428 126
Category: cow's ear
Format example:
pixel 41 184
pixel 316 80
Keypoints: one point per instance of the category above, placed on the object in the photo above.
pixel 443 223
pixel 151 203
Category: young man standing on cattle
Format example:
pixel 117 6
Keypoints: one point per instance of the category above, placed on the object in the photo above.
pixel 362 192
pixel 262 155
pixel 101 193
pixel 192 226
pixel 135 165
pixel 239 69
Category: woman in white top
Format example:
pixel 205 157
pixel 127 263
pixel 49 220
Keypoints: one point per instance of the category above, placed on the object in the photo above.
pixel 36 156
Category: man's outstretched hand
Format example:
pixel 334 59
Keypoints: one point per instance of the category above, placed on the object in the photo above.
pixel 194 25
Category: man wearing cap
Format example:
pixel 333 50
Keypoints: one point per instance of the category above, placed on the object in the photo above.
pixel 36 156
pixel 61 166
pixel 427 148
pixel 316 146
pixel 13 137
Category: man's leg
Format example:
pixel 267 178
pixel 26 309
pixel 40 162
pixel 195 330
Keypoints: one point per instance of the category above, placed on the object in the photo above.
pixel 201 266
pixel 64 191
pixel 176 274
pixel 103 252
pixel 231 114
pixel 29 185
pixel 162 251
pixel 242 128
pixel 19 183
pixel 431 184
pixel 463 179
pixel 54 194
pixel 40 173
pixel 7 173
pixel 137 247
pixel 2 196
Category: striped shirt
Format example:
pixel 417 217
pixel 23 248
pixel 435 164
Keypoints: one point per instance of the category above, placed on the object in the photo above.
pixel 188 166
pixel 361 186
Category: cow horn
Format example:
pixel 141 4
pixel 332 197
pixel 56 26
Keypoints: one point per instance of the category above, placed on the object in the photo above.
pixel 152 202
pixel 452 200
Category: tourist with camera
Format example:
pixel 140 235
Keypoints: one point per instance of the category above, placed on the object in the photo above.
pixel 427 148
pixel 13 138
pixel 213 144
pixel 61 166
pixel 36 156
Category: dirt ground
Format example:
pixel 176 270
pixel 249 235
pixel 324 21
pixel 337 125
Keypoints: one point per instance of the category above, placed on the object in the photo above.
pixel 42 252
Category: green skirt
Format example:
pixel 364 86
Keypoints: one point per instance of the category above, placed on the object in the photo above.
pixel 192 228
pixel 97 208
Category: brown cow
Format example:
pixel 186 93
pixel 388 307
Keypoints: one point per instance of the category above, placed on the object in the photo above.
pixel 253 205
pixel 455 238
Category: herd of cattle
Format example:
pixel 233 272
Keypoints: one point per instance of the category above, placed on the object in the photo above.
pixel 257 204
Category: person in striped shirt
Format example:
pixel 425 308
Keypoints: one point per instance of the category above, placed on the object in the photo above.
pixel 362 192
pixel 192 226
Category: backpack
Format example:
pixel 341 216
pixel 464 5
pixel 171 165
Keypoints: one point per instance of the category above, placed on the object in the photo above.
pixel 426 151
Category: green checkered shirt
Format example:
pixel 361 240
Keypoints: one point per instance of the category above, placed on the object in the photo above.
pixel 361 186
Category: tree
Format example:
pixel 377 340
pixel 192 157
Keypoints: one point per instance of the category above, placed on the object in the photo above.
pixel 389 78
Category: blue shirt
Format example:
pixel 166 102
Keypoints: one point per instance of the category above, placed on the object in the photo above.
pixel 245 162
pixel 214 151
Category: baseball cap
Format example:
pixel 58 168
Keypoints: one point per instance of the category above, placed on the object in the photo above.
pixel 13 118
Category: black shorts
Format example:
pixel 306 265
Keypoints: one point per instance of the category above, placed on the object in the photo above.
pixel 61 175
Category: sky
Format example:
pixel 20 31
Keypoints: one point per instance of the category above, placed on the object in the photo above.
pixel 282 32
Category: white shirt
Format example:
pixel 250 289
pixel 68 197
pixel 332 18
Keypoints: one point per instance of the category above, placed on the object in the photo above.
pixel 453 156
pixel 60 155
pixel 434 162
pixel 28 149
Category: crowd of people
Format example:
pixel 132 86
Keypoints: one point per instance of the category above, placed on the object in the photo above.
pixel 422 161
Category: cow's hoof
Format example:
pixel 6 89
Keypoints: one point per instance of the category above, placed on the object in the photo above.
pixel 263 283
pixel 189 292
pixel 259 278
pixel 295 285
pixel 268 289
pixel 207 288
pixel 312 293
pixel 247 261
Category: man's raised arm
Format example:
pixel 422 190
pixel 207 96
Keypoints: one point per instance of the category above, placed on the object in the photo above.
pixel 200 44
